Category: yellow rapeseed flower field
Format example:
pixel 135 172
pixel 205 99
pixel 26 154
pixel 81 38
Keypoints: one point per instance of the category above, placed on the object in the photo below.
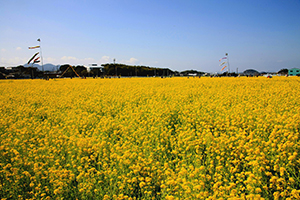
pixel 150 138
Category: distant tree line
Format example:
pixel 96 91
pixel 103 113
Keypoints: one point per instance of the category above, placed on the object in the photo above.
pixel 111 69
pixel 68 71
pixel 20 72
pixel 191 72
pixel 108 69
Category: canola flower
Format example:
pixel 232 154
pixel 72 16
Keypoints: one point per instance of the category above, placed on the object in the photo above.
pixel 150 138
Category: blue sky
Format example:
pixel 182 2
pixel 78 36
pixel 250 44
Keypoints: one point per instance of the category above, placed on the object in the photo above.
pixel 258 34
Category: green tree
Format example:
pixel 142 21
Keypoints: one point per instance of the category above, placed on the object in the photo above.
pixel 283 71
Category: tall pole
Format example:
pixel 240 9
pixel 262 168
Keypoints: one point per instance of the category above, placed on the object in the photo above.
pixel 39 40
pixel 228 63
pixel 32 71
pixel 115 67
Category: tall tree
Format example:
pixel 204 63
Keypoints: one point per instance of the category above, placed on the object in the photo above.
pixel 283 71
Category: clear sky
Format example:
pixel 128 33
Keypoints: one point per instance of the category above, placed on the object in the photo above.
pixel 176 34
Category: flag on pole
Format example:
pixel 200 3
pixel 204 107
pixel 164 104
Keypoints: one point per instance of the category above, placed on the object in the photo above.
pixel 222 58
pixel 223 68
pixel 35 47
pixel 33 57
pixel 36 60
pixel 222 63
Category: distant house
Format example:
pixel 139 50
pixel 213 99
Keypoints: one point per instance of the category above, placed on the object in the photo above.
pixel 294 72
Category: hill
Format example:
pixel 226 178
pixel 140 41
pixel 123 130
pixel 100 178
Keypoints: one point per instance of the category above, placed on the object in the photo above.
pixel 47 67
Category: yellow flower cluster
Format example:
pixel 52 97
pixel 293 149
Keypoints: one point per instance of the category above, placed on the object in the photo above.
pixel 150 138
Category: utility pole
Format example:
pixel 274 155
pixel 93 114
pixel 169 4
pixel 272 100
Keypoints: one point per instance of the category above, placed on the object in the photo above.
pixel 115 67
